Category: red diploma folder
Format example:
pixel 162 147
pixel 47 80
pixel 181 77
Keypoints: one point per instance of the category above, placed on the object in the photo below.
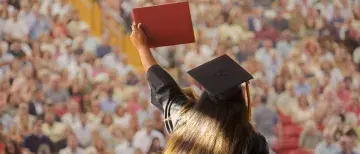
pixel 166 25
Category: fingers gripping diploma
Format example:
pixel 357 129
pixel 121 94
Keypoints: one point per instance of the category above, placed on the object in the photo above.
pixel 138 37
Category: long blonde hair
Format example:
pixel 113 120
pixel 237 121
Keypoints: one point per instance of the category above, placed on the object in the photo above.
pixel 209 127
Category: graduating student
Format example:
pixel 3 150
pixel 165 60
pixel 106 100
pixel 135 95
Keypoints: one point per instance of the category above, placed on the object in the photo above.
pixel 218 122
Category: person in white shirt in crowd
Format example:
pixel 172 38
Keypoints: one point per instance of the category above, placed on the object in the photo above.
pixel 326 8
pixel 95 114
pixel 105 129
pixel 90 42
pixel 145 112
pixel 73 27
pixel 286 45
pixel 194 57
pixel 302 112
pixel 328 69
pixel 16 28
pixel 126 146
pixel 121 117
pixel 270 58
pixel 60 7
pixel 53 129
pixel 115 60
pixel 73 115
pixel 23 120
pixel 72 146
pixel 67 57
pixel 327 146
pixel 98 146
pixel 144 137
pixel 83 130
pixel 26 14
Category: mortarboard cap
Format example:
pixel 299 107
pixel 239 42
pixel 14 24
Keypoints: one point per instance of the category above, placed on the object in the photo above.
pixel 165 25
pixel 220 77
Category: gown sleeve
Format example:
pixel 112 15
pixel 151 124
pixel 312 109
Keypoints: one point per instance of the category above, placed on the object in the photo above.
pixel 166 95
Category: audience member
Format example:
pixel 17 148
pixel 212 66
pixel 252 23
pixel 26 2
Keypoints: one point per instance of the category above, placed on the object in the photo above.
pixel 72 146
pixel 144 137
pixel 37 142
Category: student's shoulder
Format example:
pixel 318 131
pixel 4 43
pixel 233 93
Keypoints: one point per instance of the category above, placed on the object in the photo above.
pixel 259 143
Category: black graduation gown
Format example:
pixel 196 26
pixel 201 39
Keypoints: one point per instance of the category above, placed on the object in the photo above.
pixel 167 96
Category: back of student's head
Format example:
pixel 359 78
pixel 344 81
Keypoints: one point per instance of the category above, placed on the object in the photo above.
pixel 219 127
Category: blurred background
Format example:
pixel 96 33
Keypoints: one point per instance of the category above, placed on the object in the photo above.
pixel 71 82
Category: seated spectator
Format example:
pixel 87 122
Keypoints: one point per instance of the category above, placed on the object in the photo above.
pixel 95 114
pixel 286 44
pixel 267 32
pixel 155 146
pixel 98 147
pixel 104 47
pixel 40 25
pixel 36 105
pixel 346 145
pixel 327 68
pixel 158 121
pixel 327 146
pixel 126 146
pixel 118 134
pixel 343 94
pixel 49 108
pixel 67 56
pixel 354 106
pixel 269 58
pixel 11 147
pixel 354 139
pixel 73 27
pixel 264 119
pixel 61 8
pixel 144 137
pixel 279 22
pixel 53 129
pixel 302 112
pixel 114 60
pixel 16 28
pixel 63 142
pixel 55 93
pixel 194 57
pixel 72 146
pixel 16 51
pixel 72 116
pixel 105 129
pixel 89 42
pixel 37 142
pixel 23 120
pixel 145 112
pixel 340 122
pixel 108 104
pixel 83 130
pixel 302 87
pixel 310 137
pixel 76 94
pixel 121 118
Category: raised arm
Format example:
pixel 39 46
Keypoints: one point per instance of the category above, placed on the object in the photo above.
pixel 138 39
pixel 165 92
pixel 163 87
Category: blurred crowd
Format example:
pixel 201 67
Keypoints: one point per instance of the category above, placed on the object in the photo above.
pixel 63 90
